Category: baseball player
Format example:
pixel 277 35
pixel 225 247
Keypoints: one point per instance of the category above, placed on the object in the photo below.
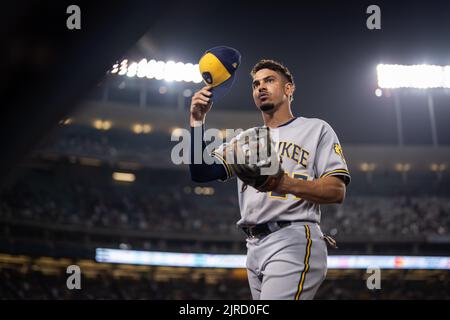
pixel 280 213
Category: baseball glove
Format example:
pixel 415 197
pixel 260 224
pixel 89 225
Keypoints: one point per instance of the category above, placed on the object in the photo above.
pixel 255 160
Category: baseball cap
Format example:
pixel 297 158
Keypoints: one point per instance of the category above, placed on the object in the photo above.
pixel 217 67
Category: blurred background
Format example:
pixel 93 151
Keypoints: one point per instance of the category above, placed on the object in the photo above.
pixel 89 117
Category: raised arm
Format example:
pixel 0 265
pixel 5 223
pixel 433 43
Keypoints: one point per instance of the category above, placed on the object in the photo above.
pixel 202 172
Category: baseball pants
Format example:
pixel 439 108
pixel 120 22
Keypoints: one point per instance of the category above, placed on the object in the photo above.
pixel 288 264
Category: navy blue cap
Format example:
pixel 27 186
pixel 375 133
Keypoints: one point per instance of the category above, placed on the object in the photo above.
pixel 217 67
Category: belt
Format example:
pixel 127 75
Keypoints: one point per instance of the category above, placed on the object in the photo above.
pixel 264 229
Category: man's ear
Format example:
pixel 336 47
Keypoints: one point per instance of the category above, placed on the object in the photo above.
pixel 289 89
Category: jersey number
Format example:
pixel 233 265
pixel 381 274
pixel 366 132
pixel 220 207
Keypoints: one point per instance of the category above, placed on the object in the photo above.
pixel 281 196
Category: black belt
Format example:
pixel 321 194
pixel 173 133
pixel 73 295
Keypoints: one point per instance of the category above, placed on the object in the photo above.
pixel 263 229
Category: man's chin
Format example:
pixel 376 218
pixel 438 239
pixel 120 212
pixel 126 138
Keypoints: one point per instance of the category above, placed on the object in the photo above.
pixel 267 107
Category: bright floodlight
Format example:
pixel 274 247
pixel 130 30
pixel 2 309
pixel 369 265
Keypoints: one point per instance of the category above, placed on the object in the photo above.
pixel 115 68
pixel 123 67
pixel 170 71
pixel 142 68
pixel 159 70
pixel 414 76
pixel 132 70
pixel 187 71
pixel 179 67
pixel 378 92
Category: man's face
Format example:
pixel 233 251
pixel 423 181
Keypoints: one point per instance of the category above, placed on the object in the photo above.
pixel 269 90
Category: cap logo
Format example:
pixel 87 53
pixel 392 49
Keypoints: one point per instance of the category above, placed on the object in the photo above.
pixel 234 65
pixel 207 77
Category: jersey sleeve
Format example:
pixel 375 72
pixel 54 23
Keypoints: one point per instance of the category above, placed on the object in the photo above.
pixel 203 172
pixel 330 160
pixel 219 155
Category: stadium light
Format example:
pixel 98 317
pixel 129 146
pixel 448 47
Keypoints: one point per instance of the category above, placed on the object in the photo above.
pixel 132 70
pixel 177 132
pixel 122 69
pixel 106 125
pixel 115 68
pixel 392 76
pixel 207 191
pixel 141 128
pixel 169 71
pixel 124 177
pixel 159 70
pixel 402 167
pixel 102 125
pixel 438 167
pixel 421 76
pixel 378 92
pixel 146 128
pixel 142 68
pixel 137 128
pixel 66 122
pixel 367 167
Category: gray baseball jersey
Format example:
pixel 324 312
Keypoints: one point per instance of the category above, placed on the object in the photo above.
pixel 290 262
pixel 309 149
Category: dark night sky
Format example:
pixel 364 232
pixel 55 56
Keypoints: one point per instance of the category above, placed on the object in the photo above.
pixel 331 53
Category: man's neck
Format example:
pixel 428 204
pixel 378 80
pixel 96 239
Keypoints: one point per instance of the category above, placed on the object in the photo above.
pixel 279 117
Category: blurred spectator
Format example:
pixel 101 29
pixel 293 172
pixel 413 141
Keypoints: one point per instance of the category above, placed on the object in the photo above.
pixel 172 210
pixel 35 284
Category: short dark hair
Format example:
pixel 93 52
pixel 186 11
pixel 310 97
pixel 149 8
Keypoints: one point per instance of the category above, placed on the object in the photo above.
pixel 275 66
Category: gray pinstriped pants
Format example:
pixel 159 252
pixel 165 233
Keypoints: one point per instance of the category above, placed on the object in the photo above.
pixel 288 264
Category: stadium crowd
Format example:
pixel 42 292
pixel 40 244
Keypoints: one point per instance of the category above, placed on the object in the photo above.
pixel 390 216
pixel 33 284
pixel 109 207
pixel 38 285
pixel 108 145
pixel 179 209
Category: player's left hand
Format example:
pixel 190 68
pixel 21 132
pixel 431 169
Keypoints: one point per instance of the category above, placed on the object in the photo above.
pixel 256 161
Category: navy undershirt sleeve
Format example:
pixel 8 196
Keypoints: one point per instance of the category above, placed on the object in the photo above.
pixel 203 172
